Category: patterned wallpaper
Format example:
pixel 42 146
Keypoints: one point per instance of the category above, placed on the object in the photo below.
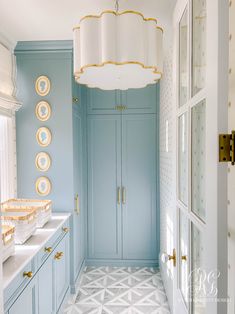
pixel 166 172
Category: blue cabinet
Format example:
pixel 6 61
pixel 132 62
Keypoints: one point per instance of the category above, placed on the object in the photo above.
pixel 139 186
pixel 122 187
pixel 27 302
pixel 104 180
pixel 141 100
pixel 46 287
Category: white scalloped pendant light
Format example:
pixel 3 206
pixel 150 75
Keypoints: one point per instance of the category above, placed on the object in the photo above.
pixel 117 50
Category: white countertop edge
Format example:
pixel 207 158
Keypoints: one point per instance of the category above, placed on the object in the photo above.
pixel 65 216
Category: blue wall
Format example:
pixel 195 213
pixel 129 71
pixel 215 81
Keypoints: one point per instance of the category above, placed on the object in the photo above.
pixel 57 65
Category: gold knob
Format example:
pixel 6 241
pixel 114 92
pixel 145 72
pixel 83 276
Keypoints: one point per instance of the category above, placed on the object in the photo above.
pixel 58 255
pixel 173 258
pixel 48 249
pixel 65 229
pixel 184 258
pixel 75 99
pixel 28 274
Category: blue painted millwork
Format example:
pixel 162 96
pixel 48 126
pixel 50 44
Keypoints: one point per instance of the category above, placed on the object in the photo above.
pixel 67 124
pixel 104 178
pixel 143 100
pixel 122 153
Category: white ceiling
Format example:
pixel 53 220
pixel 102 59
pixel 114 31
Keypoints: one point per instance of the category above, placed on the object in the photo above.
pixel 54 20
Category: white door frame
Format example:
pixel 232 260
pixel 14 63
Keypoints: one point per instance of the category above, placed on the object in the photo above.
pixel 216 94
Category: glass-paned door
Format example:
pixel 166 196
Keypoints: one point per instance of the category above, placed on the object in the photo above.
pixel 199 177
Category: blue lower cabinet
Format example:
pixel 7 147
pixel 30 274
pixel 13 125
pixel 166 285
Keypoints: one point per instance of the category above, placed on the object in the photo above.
pixel 27 302
pixel 61 270
pixel 46 289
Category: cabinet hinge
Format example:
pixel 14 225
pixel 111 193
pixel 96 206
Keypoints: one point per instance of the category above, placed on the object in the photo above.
pixel 121 107
pixel 227 147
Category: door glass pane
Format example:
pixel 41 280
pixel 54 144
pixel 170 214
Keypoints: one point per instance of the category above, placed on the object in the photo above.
pixel 197 272
pixel 199 45
pixel 183 158
pixel 183 59
pixel 198 159
pixel 184 239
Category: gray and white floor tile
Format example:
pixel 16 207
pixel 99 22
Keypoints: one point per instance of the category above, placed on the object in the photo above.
pixel 119 290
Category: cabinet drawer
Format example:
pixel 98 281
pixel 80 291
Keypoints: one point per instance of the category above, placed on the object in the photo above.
pixel 19 283
pixel 102 102
pixel 49 247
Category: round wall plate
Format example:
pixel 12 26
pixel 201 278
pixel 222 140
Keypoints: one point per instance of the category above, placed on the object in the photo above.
pixel 43 161
pixel 43 186
pixel 43 136
pixel 43 111
pixel 42 85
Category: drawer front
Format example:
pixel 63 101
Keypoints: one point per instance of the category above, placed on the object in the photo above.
pixel 19 283
pixel 49 247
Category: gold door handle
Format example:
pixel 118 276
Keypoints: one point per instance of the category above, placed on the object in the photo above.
pixel 123 195
pixel 48 249
pixel 184 258
pixel 119 195
pixel 66 230
pixel 77 207
pixel 58 255
pixel 28 274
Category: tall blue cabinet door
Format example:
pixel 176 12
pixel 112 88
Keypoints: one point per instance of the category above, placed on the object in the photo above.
pixel 139 186
pixel 142 100
pixel 102 102
pixel 104 180
pixel 78 216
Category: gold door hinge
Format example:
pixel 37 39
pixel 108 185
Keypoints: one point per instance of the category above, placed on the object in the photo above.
pixel 121 108
pixel 227 147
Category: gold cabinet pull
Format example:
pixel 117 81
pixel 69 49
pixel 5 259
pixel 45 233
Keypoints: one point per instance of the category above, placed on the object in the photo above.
pixel 184 258
pixel 119 195
pixel 28 274
pixel 173 258
pixel 65 229
pixel 48 249
pixel 58 255
pixel 123 195
pixel 77 206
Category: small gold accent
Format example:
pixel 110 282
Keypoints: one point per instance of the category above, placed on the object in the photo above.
pixel 120 107
pixel 58 255
pixel 48 249
pixel 117 14
pixel 227 147
pixel 184 258
pixel 173 258
pixel 28 274
pixel 65 229
pixel 77 204
pixel 158 27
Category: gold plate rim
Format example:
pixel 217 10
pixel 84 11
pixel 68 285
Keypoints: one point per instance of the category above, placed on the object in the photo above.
pixel 49 134
pixel 48 158
pixel 37 112
pixel 43 77
pixel 48 191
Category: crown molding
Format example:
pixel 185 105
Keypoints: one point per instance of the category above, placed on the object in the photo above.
pixel 45 46
pixel 7 42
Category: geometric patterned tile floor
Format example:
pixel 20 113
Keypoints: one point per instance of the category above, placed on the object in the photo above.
pixel 119 290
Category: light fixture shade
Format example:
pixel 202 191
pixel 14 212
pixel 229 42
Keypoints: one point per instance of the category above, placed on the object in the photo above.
pixel 117 51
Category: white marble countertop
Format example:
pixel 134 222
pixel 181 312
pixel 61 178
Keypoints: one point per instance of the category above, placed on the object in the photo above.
pixel 24 253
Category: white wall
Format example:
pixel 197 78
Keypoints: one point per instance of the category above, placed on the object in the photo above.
pixel 231 169
pixel 167 182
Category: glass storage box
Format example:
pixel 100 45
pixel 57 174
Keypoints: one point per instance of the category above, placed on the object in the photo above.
pixel 8 242
pixel 43 208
